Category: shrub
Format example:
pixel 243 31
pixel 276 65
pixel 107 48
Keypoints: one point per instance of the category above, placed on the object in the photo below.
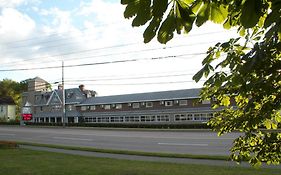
pixel 8 144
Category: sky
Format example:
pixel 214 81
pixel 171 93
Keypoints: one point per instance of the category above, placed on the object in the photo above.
pixel 97 46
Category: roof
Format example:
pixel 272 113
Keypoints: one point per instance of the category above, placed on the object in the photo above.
pixel 38 79
pixel 7 101
pixel 73 95
pixel 142 97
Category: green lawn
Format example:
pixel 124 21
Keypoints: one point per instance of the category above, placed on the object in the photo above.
pixel 28 162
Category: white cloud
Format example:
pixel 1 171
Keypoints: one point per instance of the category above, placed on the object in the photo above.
pixel 10 3
pixel 61 21
pixel 15 3
pixel 15 25
pixel 92 25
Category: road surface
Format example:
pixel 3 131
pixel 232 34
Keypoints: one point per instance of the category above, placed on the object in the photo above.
pixel 195 142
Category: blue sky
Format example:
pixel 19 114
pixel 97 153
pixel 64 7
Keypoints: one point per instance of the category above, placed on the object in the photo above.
pixel 43 33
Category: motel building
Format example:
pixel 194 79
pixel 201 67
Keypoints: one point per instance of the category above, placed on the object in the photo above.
pixel 164 107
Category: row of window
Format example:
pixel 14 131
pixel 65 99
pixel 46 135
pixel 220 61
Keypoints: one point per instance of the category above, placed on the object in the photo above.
pixel 117 119
pixel 140 104
pixel 151 118
pixel 55 108
pixel 193 117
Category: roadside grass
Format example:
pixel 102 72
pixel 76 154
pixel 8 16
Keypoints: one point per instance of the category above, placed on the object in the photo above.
pixel 139 153
pixel 29 162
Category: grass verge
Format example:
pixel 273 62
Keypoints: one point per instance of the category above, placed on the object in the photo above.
pixel 30 162
pixel 139 153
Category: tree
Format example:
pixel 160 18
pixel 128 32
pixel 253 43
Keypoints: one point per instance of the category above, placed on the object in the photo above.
pixel 243 74
pixel 13 89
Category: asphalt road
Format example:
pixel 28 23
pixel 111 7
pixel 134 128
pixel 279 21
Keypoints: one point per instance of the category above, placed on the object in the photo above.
pixel 195 142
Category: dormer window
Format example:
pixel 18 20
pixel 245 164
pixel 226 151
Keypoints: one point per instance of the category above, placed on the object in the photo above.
pixel 118 106
pixel 183 102
pixel 168 103
pixel 83 108
pixel 206 102
pixel 107 107
pixel 69 94
pixel 136 105
pixel 149 104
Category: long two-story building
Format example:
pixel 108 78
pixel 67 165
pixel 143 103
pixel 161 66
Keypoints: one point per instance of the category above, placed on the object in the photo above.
pixel 171 107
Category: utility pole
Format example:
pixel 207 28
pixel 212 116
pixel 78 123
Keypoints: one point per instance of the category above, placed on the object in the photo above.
pixel 63 96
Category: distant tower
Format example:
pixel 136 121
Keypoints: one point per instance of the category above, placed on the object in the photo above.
pixel 37 84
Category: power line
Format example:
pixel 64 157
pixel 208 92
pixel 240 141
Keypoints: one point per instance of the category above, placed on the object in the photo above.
pixel 137 84
pixel 92 64
pixel 129 78
pixel 110 47
pixel 110 54
pixel 132 75
pixel 38 43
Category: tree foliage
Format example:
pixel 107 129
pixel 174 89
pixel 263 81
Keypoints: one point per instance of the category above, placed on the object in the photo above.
pixel 13 89
pixel 243 74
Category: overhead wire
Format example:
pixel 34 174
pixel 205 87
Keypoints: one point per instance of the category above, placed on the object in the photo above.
pixel 105 55
pixel 96 63
pixel 108 47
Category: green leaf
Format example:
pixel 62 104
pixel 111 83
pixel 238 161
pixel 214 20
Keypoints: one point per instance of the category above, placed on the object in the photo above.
pixel 124 2
pixel 159 7
pixel 267 123
pixel 167 28
pixel 209 58
pixel 132 8
pixel 184 16
pixel 196 6
pixel 225 101
pixel 227 24
pixel 198 75
pixel 203 14
pixel 251 13
pixel 143 14
pixel 242 31
pixel 273 17
pixel 278 118
pixel 151 30
pixel 218 13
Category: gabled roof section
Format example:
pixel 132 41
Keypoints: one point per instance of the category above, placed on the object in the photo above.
pixel 7 101
pixel 54 98
pixel 74 95
pixel 142 97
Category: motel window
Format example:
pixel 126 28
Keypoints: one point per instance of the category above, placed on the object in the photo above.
pixel 116 119
pixel 206 102
pixel 107 107
pixel 136 105
pixel 183 117
pixel 149 104
pixel 168 103
pixel 183 102
pixel 197 117
pixel 92 108
pixel 163 118
pixel 70 107
pixel 118 106
pixel 83 108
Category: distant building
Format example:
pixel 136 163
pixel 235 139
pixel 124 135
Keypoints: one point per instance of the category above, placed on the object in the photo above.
pixel 7 109
pixel 171 107
pixel 45 105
